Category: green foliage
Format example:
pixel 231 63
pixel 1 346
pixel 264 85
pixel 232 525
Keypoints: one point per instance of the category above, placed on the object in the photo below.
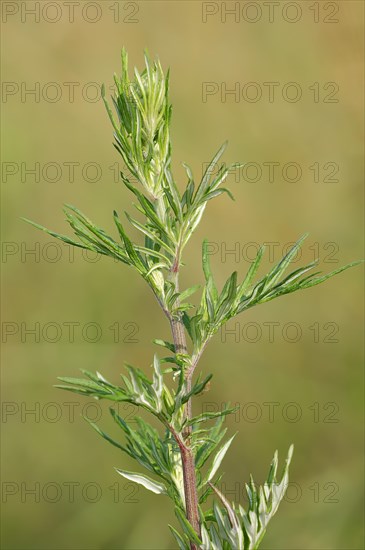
pixel 216 309
pixel 235 527
pixel 185 455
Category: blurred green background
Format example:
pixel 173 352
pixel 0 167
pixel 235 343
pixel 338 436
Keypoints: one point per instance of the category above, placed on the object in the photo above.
pixel 304 385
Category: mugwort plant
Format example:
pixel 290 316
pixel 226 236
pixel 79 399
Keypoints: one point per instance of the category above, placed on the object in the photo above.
pixel 183 457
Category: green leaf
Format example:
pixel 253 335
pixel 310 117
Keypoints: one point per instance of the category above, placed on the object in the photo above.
pixel 207 271
pixel 270 287
pixel 210 305
pixel 147 482
pixel 173 195
pixel 104 435
pixel 186 199
pixel 217 192
pixel 318 280
pixel 165 344
pixel 79 391
pixel 157 382
pixel 188 292
pixel 89 384
pixel 182 542
pixel 187 324
pixel 197 388
pixel 275 274
pixel 204 417
pixel 187 527
pixel 79 218
pixel 56 235
pixel 132 253
pixel 214 437
pixel 208 172
pixel 150 234
pixel 147 207
pixel 227 298
pixel 230 511
pixel 108 109
pixel 251 273
pixel 120 421
pixel 218 459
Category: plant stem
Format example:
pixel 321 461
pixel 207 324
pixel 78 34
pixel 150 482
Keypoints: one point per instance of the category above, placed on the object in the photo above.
pixel 187 456
pixel 191 494
pixel 188 465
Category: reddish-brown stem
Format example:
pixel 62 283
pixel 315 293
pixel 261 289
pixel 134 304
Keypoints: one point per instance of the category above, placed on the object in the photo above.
pixel 191 497
pixel 191 494
pixel 187 456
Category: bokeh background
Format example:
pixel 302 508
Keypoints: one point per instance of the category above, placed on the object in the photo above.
pixel 305 384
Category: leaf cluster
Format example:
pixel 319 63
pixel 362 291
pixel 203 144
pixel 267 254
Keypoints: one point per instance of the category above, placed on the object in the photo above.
pixel 160 455
pixel 216 308
pixel 228 525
